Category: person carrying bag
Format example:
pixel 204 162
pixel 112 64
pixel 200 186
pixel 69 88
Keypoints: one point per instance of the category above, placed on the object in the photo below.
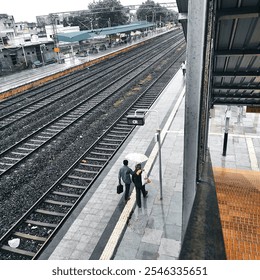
pixel 145 179
pixel 124 173
pixel 139 186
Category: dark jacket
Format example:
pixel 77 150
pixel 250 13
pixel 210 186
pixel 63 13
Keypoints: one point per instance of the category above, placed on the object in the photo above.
pixel 124 173
pixel 137 179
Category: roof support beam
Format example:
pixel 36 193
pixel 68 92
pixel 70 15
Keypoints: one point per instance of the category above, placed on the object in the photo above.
pixel 237 95
pixel 235 74
pixel 236 13
pixel 230 101
pixel 236 88
pixel 254 52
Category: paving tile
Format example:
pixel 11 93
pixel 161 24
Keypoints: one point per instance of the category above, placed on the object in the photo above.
pixel 239 203
pixel 172 231
pixel 152 236
pixel 170 247
pixel 148 251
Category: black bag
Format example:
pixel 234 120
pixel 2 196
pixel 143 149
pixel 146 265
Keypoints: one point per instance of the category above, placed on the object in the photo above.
pixel 119 189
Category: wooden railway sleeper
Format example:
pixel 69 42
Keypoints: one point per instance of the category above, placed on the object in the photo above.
pixel 41 224
pixel 108 144
pixel 121 128
pixel 72 186
pixel 31 144
pixel 119 132
pixel 59 126
pixel 96 159
pixel 113 136
pixel 54 130
pixel 13 159
pixel 66 194
pixel 124 125
pixel 91 165
pixel 25 149
pixel 100 154
pixel 86 171
pixel 29 236
pixel 50 213
pixel 45 132
pixel 4 163
pixel 19 154
pixel 44 137
pixel 61 203
pixel 18 251
pixel 36 140
pixel 105 149
pixel 79 178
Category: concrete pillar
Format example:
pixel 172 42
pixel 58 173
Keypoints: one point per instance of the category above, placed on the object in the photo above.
pixel 195 55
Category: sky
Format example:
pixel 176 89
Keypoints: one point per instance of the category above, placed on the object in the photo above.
pixel 27 10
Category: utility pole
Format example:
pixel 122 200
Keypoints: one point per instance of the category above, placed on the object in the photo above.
pixel 25 59
pixel 2 45
pixel 55 37
pixel 227 118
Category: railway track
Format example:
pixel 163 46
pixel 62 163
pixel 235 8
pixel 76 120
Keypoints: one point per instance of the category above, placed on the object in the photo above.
pixel 42 221
pixel 66 81
pixel 19 152
pixel 62 90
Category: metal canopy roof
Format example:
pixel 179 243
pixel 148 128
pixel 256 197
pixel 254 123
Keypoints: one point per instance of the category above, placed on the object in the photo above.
pixel 236 51
pixel 74 36
pixel 88 34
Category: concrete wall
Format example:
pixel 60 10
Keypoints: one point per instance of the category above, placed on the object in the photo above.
pixel 13 59
pixel 197 13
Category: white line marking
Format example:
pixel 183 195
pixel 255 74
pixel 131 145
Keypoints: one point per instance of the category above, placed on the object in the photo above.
pixel 252 154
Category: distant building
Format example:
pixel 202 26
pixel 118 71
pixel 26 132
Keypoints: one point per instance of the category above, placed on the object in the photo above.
pixel 7 29
pixel 28 28
pixel 21 47
pixel 16 58
pixel 51 30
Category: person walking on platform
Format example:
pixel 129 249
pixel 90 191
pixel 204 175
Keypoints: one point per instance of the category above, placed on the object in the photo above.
pixel 183 67
pixel 124 174
pixel 139 186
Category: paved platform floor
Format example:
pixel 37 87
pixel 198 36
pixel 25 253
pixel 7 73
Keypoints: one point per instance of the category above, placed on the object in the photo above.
pixel 237 179
pixel 238 193
pixel 106 229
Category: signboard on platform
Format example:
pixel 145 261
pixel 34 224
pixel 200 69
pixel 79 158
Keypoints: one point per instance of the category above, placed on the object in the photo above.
pixel 135 119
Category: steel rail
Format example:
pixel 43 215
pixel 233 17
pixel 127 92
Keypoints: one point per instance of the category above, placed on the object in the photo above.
pixel 36 105
pixel 8 161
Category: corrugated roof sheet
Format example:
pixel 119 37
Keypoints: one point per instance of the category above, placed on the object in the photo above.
pixel 87 34
pixel 236 51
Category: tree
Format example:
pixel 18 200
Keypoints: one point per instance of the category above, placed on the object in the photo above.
pixel 106 13
pixel 154 12
pixel 83 20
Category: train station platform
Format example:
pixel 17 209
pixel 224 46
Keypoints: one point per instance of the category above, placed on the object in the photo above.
pixel 154 230
pixel 104 227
